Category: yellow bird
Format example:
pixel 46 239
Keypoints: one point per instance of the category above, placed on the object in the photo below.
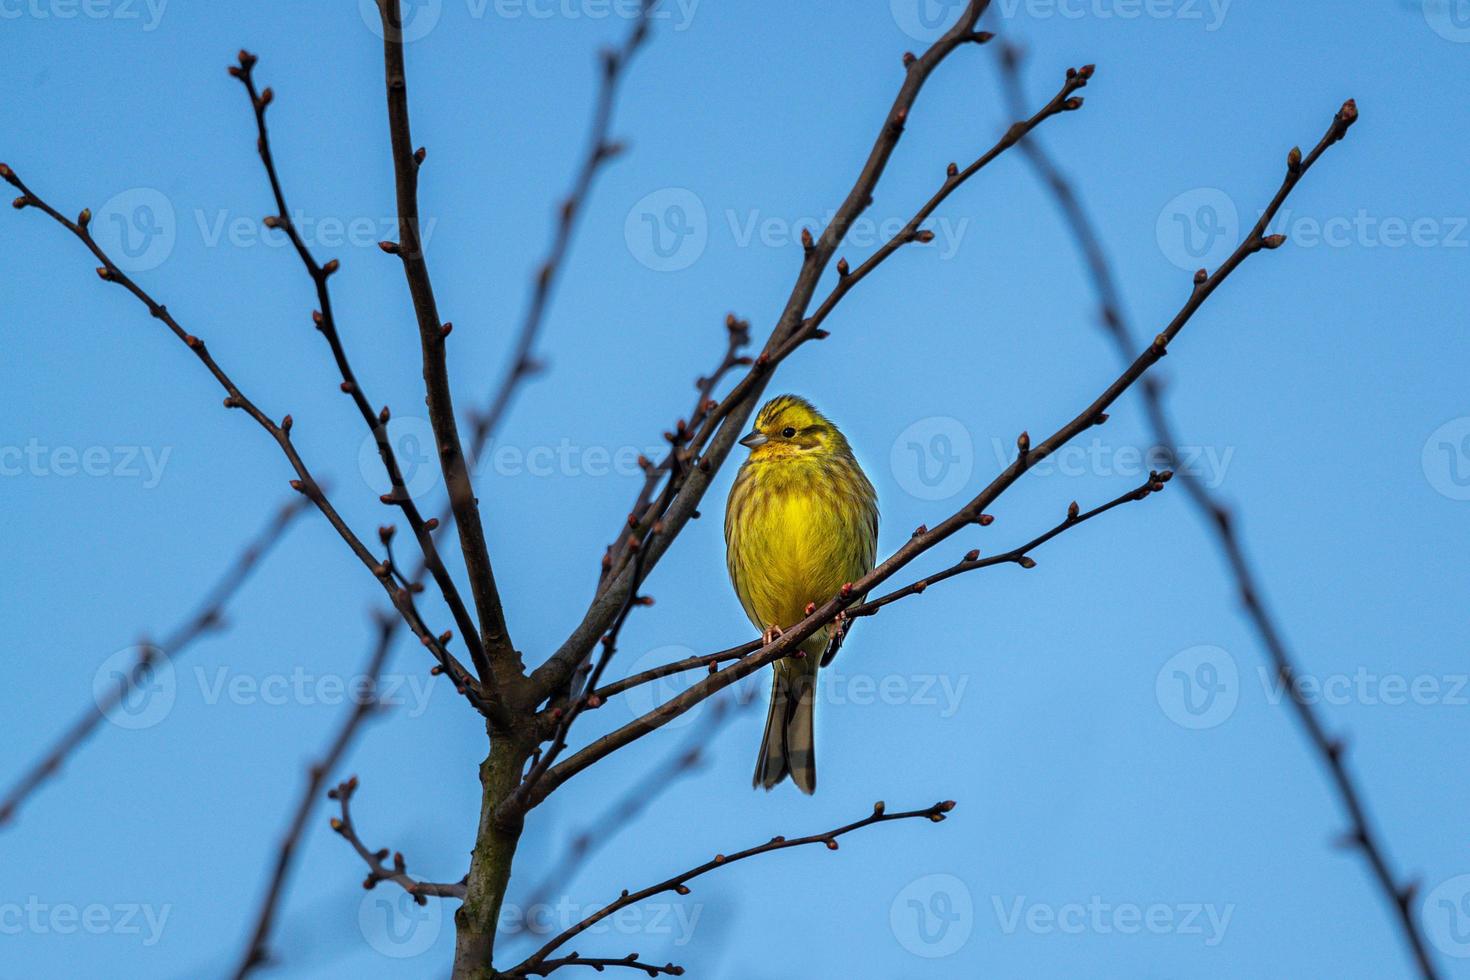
pixel 801 522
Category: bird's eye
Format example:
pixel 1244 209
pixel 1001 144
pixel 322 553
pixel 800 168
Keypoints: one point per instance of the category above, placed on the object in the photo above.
pixel 788 432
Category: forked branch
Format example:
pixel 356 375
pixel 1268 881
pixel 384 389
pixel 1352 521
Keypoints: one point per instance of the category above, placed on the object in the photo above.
pixel 209 617
pixel 504 662
pixel 1330 750
pixel 679 883
pixel 376 422
pixel 973 512
pixel 305 483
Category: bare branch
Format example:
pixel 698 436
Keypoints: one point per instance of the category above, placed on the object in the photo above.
pixel 688 757
pixel 397 873
pixel 546 967
pixel 1019 556
pixel 679 883
pixel 377 422
pixel 810 329
pixel 974 511
pixel 305 483
pixel 517 803
pixel 1329 749
pixel 737 338
pixel 552 675
pixel 257 954
pixel 504 661
pixel 601 150
pixel 209 616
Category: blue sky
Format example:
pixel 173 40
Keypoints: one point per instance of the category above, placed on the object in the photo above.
pixel 1112 822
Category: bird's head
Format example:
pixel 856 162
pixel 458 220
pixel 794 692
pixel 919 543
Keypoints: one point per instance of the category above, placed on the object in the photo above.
pixel 789 427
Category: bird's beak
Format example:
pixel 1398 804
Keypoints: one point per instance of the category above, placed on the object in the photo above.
pixel 755 440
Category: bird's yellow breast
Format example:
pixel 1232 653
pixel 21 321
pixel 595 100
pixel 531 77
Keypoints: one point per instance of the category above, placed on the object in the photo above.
pixel 795 532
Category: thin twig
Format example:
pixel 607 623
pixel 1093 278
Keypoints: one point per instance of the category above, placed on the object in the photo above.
pixel 659 779
pixel 377 422
pixel 1329 749
pixel 601 150
pixel 973 512
pixel 305 483
pixel 210 616
pixel 600 963
pixel 737 338
pixel 504 661
pixel 553 675
pixel 566 717
pixel 257 953
pixel 1020 555
pixel 397 873
pixel 1065 100
pixel 679 884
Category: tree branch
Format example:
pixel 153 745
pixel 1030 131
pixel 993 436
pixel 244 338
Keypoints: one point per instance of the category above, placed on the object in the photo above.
pixel 737 338
pixel 601 150
pixel 377 422
pixel 552 675
pixel 257 953
pixel 305 483
pixel 974 511
pixel 688 757
pixel 679 883
pixel 1020 555
pixel 397 873
pixel 208 617
pixel 517 803
pixel 546 967
pixel 1330 750
pixel 504 662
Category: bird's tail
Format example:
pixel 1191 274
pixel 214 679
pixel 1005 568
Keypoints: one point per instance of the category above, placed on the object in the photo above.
pixel 789 746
